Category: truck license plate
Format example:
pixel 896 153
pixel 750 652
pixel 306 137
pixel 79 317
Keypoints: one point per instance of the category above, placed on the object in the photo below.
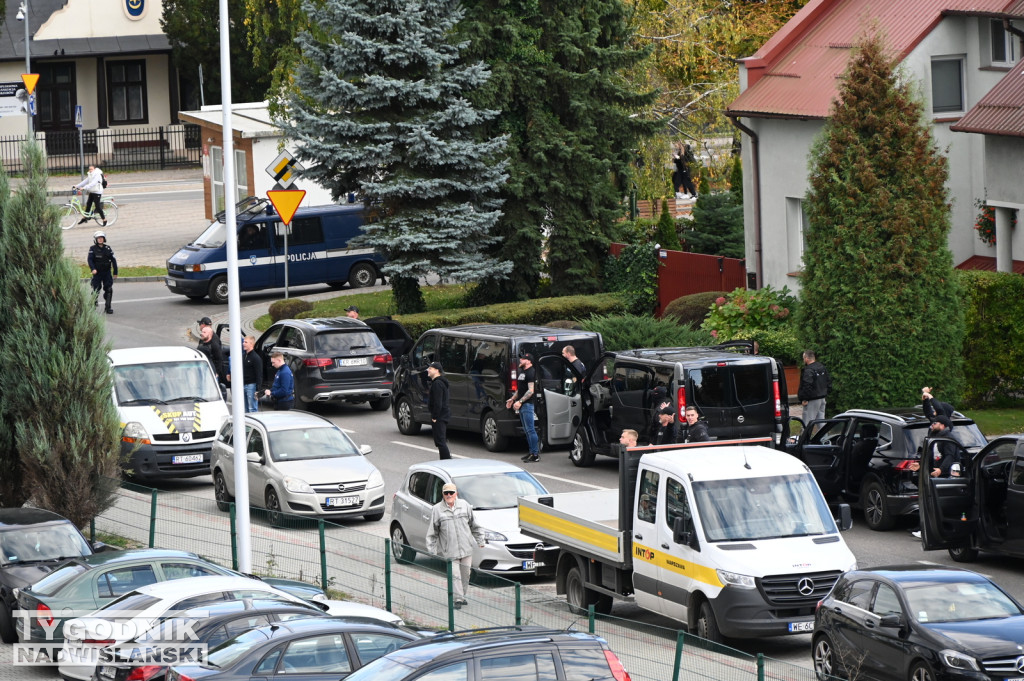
pixel 342 501
pixel 352 362
pixel 529 565
pixel 188 458
pixel 801 626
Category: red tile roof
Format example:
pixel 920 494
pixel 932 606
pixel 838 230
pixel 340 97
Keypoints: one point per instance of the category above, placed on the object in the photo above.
pixel 987 264
pixel 1001 111
pixel 795 74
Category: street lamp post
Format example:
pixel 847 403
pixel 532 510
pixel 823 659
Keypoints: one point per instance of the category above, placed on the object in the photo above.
pixel 23 17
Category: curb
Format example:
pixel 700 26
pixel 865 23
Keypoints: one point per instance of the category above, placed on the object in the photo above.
pixel 87 280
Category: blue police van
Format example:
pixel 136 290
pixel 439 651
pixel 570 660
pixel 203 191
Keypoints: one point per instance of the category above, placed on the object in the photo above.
pixel 315 245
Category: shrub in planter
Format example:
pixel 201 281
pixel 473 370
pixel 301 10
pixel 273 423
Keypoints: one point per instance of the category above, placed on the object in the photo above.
pixel 692 309
pixel 288 308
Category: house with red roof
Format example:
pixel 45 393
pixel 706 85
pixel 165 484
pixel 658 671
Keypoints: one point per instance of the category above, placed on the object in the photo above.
pixel 957 52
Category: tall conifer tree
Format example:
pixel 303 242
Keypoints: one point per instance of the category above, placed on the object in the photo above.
pixel 380 109
pixel 879 304
pixel 62 429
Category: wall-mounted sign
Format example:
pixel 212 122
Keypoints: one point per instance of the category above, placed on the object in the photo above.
pixel 135 9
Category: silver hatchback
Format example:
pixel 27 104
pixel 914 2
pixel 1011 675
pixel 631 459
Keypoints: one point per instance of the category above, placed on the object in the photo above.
pixel 491 488
pixel 299 463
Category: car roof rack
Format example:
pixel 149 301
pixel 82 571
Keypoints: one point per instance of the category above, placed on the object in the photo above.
pixel 247 208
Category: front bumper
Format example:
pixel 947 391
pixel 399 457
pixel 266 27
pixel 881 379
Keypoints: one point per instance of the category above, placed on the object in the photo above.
pixel 512 558
pixel 744 613
pixel 322 504
pixel 161 462
pixel 187 287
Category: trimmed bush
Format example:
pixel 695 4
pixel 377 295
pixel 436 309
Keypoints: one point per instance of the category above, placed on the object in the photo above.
pixel 744 310
pixel 565 324
pixel 539 311
pixel 692 309
pixel 288 308
pixel 626 332
pixel 782 344
pixel 993 347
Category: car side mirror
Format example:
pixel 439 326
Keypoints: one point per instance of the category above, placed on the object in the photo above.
pixel 365 449
pixel 893 621
pixel 844 518
pixel 254 457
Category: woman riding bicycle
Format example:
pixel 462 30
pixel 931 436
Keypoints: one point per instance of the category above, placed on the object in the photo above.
pixel 93 185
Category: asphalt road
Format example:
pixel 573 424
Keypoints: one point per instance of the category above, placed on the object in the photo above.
pixel 147 314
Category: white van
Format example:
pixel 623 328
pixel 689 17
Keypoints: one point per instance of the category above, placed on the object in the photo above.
pixel 171 409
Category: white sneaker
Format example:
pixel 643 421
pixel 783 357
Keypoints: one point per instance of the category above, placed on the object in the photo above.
pixel 916 533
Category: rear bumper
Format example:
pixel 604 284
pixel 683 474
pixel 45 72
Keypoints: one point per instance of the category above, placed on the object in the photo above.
pixel 344 394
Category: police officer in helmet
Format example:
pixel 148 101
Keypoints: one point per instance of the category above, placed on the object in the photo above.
pixel 104 270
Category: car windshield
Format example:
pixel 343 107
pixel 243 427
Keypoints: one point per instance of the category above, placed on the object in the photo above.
pixel 32 543
pixel 762 508
pixel 229 652
pixel 347 343
pixel 499 490
pixel 958 602
pixel 165 382
pixel 213 237
pixel 300 444
pixel 55 581
pixel 969 436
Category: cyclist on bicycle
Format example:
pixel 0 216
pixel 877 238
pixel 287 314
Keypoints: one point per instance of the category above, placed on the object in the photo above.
pixel 93 186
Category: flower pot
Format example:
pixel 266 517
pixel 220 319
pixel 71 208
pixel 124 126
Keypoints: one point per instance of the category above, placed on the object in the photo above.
pixel 792 379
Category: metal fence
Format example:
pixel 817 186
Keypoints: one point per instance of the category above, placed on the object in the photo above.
pixel 156 148
pixel 357 566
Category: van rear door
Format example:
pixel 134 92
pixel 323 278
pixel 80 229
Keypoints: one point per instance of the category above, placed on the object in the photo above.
pixel 735 397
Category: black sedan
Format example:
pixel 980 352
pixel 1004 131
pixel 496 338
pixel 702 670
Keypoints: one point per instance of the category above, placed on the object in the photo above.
pixel 211 624
pixel 918 623
pixel 307 649
pixel 32 543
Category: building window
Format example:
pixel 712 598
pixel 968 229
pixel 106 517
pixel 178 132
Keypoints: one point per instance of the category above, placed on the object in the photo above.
pixel 126 82
pixel 1004 45
pixel 796 232
pixel 947 85
pixel 217 177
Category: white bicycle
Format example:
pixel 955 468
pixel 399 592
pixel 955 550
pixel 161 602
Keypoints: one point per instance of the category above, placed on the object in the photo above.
pixel 74 211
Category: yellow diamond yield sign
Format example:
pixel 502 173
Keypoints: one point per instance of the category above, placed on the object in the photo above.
pixel 286 202
pixel 30 80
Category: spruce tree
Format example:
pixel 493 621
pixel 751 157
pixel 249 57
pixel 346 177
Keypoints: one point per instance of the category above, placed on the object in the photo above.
pixel 380 109
pixel 880 305
pixel 62 430
pixel 570 114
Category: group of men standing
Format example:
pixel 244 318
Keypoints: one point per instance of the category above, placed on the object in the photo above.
pixel 281 393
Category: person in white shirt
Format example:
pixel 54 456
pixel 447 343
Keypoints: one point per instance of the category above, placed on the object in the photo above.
pixel 93 186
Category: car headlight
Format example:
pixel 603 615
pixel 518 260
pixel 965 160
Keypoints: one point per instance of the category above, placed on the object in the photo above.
pixel 491 535
pixel 734 579
pixel 297 486
pixel 375 479
pixel 135 432
pixel 957 660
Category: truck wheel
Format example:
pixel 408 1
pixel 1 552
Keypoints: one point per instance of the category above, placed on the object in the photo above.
pixel 707 625
pixel 407 425
pixel 362 275
pixel 575 591
pixel 876 507
pixel 963 554
pixel 581 454
pixel 219 289
pixel 494 441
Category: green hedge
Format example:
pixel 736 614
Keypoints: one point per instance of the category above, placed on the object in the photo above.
pixel 539 312
pixel 994 343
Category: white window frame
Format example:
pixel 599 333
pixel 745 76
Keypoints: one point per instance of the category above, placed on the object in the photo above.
pixel 796 232
pixel 1011 44
pixel 960 60
pixel 217 177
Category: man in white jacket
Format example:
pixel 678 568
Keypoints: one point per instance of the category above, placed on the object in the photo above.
pixel 453 535
pixel 93 186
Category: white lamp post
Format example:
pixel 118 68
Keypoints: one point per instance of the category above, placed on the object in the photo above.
pixel 23 17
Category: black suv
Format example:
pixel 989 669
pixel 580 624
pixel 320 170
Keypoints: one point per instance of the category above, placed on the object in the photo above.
pixel 333 360
pixel 499 653
pixel 865 457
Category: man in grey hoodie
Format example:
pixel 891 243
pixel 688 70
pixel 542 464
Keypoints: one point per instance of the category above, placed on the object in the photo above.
pixel 453 535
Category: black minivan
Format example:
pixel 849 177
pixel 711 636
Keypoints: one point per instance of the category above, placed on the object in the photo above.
pixel 480 362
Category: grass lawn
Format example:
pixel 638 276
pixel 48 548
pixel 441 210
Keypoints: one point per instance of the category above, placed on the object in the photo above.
pixel 997 421
pixel 381 303
pixel 141 271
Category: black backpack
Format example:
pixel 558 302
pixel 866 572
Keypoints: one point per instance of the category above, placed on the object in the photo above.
pixel 104 176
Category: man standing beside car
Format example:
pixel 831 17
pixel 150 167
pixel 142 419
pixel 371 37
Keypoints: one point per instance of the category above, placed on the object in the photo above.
pixel 522 402
pixel 452 535
pixel 696 430
pixel 283 388
pixel 815 384
pixel 252 374
pixel 440 412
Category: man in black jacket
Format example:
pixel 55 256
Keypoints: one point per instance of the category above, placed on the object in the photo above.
pixel 439 409
pixel 934 408
pixel 669 432
pixel 252 374
pixel 815 384
pixel 696 430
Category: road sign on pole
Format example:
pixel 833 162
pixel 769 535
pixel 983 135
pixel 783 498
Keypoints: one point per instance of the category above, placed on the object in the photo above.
pixel 30 80
pixel 285 169
pixel 286 203
pixel 78 116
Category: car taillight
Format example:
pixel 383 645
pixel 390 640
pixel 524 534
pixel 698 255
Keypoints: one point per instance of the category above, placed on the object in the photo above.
pixel 905 464
pixel 681 401
pixel 513 384
pixel 318 362
pixel 144 673
pixel 99 641
pixel 382 359
pixel 778 399
pixel 43 615
pixel 618 671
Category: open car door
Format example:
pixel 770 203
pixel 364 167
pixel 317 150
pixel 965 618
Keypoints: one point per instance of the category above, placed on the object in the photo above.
pixel 392 334
pixel 820 446
pixel 948 508
pixel 561 387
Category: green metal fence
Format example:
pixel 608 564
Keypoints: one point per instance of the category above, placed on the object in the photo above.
pixel 361 567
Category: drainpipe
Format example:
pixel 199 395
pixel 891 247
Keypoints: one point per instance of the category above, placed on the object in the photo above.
pixel 755 159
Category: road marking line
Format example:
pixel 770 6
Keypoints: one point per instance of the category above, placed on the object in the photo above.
pixel 146 300
pixel 426 449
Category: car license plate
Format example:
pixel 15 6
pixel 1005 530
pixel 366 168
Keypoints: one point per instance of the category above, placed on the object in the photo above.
pixel 171 283
pixel 529 565
pixel 188 458
pixel 342 501
pixel 801 626
pixel 108 672
pixel 352 362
